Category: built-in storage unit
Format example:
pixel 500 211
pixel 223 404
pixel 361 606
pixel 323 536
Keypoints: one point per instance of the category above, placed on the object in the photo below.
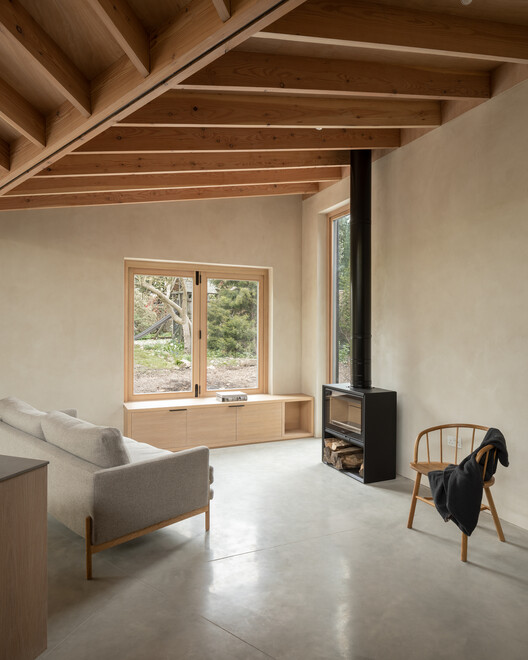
pixel 182 423
pixel 23 558
pixel 364 418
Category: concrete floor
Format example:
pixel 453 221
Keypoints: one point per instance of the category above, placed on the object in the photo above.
pixel 301 562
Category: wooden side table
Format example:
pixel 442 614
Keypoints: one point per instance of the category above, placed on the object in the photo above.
pixel 23 558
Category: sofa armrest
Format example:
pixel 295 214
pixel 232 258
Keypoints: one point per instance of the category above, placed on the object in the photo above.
pixel 134 496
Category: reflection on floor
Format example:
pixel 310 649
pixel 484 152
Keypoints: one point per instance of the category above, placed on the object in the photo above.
pixel 301 563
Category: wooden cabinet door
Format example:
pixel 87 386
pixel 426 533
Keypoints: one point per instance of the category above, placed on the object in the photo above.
pixel 166 429
pixel 213 426
pixel 260 422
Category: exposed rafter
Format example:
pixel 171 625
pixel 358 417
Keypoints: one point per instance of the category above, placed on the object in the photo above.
pixel 52 62
pixel 90 184
pixel 123 139
pixel 21 115
pixel 126 29
pixel 369 25
pixel 193 39
pixel 77 165
pixel 244 71
pixel 223 7
pixel 4 156
pixel 145 196
pixel 183 108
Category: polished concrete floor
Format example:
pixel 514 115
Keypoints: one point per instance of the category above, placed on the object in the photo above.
pixel 301 562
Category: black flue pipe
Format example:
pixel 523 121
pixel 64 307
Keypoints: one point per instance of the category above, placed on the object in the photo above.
pixel 360 277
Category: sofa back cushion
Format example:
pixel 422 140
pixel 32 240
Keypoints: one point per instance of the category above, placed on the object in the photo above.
pixel 101 445
pixel 24 417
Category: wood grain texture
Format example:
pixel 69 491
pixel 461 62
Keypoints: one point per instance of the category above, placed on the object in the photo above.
pixel 166 429
pixel 223 7
pixel 4 156
pixel 146 196
pixel 212 426
pixel 69 185
pixel 369 25
pixel 122 139
pixel 23 565
pixel 21 115
pixel 184 108
pixel 241 71
pixel 77 165
pixel 46 55
pixel 259 423
pixel 127 30
pixel 193 39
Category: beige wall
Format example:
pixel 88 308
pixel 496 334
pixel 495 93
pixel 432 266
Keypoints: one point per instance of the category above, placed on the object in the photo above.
pixel 61 294
pixel 450 282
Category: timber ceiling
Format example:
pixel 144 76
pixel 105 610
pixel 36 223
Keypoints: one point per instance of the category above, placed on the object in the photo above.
pixel 116 101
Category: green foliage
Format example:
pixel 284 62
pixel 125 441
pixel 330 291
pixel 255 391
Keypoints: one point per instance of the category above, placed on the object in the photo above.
pixel 343 311
pixel 160 353
pixel 232 319
pixel 144 314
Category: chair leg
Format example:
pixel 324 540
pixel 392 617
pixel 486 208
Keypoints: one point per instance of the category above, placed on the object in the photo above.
pixel 493 510
pixel 463 555
pixel 414 500
pixel 88 548
pixel 207 517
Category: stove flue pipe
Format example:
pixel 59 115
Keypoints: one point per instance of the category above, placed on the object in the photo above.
pixel 360 274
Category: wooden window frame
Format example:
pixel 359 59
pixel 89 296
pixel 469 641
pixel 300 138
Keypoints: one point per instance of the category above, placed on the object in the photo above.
pixel 199 330
pixel 330 343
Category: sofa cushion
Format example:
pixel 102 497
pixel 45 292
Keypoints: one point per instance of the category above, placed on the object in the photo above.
pixel 140 451
pixel 24 417
pixel 101 445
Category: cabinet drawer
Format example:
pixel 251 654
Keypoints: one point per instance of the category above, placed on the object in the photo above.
pixel 211 426
pixel 257 423
pixel 166 429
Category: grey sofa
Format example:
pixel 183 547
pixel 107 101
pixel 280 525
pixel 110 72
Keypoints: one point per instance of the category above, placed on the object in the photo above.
pixel 101 485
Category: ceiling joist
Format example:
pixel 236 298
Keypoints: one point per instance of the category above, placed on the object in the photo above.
pixel 123 139
pixel 246 71
pixel 60 71
pixel 79 165
pixel 93 184
pixel 145 196
pixel 223 7
pixel 183 108
pixel 387 27
pixel 4 156
pixel 21 115
pixel 126 29
pixel 193 39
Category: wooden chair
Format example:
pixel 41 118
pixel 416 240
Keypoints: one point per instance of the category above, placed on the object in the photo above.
pixel 438 436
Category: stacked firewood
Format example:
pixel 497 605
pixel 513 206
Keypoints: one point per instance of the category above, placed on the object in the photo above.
pixel 342 455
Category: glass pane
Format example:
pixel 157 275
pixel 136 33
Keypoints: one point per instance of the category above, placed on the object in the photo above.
pixel 232 334
pixel 341 300
pixel 162 334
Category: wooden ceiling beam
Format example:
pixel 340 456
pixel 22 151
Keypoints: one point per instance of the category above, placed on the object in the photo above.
pixel 4 156
pixel 122 139
pixel 183 108
pixel 78 165
pixel 245 71
pixel 126 29
pixel 194 38
pixel 147 196
pixel 54 65
pixel 223 7
pixel 92 184
pixel 369 25
pixel 16 111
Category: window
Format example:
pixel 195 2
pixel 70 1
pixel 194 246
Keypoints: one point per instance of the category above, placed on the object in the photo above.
pixel 340 329
pixel 194 329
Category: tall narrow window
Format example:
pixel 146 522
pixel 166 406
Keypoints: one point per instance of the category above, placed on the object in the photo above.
pixel 340 300
pixel 194 329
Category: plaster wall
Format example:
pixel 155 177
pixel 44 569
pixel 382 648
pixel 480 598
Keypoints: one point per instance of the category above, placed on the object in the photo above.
pixel 450 283
pixel 62 300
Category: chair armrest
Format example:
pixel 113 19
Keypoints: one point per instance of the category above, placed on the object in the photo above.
pixel 136 495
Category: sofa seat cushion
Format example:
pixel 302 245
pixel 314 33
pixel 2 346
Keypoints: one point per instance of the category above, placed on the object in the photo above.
pixel 140 451
pixel 101 445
